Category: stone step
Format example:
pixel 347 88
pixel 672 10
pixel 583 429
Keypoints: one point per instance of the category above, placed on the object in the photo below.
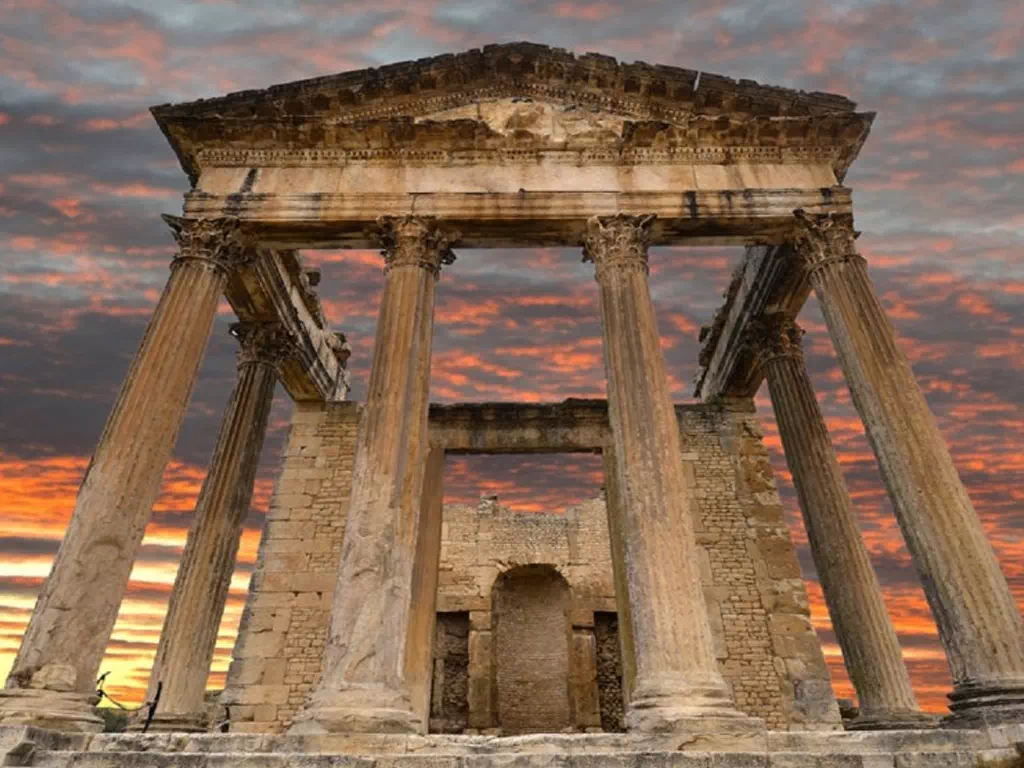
pixel 991 758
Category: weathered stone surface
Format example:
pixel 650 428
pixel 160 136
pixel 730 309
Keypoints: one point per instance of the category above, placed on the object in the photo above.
pixel 979 623
pixel 677 678
pixel 185 651
pixel 711 638
pixel 68 632
pixel 930 748
pixel 871 650
pixel 364 684
pixel 480 542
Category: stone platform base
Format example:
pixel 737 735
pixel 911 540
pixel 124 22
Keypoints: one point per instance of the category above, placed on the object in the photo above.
pixel 1001 747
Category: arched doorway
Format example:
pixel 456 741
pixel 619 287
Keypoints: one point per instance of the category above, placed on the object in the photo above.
pixel 531 650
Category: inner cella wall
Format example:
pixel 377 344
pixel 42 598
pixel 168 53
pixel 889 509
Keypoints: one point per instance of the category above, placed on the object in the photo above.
pixel 764 641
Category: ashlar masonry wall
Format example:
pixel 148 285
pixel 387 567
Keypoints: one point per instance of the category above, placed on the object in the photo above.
pixel 758 606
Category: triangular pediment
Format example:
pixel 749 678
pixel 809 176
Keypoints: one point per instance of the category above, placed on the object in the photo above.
pixel 507 91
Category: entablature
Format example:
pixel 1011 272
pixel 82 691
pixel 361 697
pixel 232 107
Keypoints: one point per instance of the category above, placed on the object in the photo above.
pixel 742 216
pixel 769 280
pixel 275 288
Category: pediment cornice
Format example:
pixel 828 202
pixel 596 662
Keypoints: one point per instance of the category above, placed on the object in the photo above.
pixel 827 139
pixel 304 115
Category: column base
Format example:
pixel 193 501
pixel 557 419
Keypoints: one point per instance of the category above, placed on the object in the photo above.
pixel 902 720
pixel 983 705
pixel 55 710
pixel 698 709
pixel 358 710
pixel 170 722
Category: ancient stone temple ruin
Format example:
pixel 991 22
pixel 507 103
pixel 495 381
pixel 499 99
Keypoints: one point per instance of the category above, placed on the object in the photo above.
pixel 663 623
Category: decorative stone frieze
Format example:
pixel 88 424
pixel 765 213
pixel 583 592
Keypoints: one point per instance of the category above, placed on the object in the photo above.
pixel 871 650
pixel 979 623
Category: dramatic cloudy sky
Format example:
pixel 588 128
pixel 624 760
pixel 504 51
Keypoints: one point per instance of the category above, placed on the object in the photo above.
pixel 84 173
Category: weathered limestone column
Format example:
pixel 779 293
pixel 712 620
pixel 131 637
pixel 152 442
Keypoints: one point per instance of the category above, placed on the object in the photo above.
pixel 186 648
pixel 979 623
pixel 364 686
pixel 678 685
pixel 871 650
pixel 52 682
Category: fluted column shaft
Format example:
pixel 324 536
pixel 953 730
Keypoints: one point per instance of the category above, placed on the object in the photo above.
pixel 677 677
pixel 54 674
pixel 364 686
pixel 871 650
pixel 200 591
pixel 979 623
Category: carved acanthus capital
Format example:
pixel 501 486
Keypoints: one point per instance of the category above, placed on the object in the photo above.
pixel 617 242
pixel 418 241
pixel 823 239
pixel 216 242
pixel 774 336
pixel 263 343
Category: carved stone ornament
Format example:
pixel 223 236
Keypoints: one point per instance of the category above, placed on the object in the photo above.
pixel 617 242
pixel 415 241
pixel 340 347
pixel 263 343
pixel 774 336
pixel 823 239
pixel 215 241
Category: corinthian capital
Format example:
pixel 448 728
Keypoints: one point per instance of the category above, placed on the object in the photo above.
pixel 263 343
pixel 215 241
pixel 773 336
pixel 617 242
pixel 822 239
pixel 418 241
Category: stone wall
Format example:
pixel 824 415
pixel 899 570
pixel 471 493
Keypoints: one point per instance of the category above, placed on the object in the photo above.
pixel 277 655
pixel 757 603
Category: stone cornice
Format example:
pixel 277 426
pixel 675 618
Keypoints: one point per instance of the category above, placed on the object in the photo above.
pixel 312 109
pixel 608 154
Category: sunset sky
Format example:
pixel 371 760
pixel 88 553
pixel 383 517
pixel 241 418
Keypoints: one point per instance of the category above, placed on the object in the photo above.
pixel 85 173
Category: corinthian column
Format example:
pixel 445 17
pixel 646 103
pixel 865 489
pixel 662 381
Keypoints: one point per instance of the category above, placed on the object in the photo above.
pixel 677 683
pixel 871 650
pixel 364 686
pixel 979 623
pixel 53 679
pixel 200 591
